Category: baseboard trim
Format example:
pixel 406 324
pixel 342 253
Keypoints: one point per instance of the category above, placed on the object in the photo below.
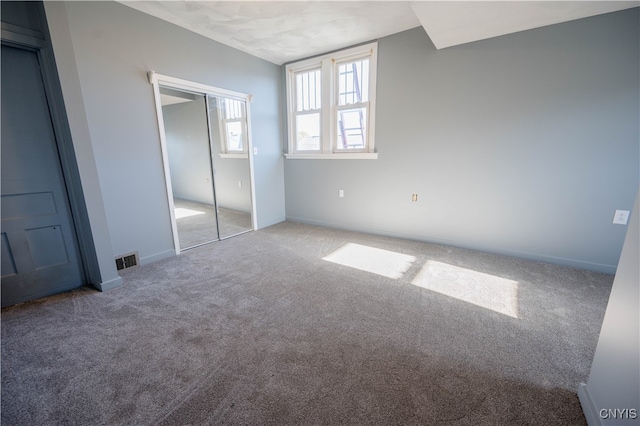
pixel 572 263
pixel 156 257
pixel 588 407
pixel 271 222
pixel 108 285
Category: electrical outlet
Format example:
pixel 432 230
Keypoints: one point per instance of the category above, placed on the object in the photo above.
pixel 621 217
pixel 414 197
pixel 239 184
pixel 341 193
pixel 255 150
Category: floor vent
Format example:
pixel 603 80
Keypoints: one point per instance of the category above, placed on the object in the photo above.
pixel 127 261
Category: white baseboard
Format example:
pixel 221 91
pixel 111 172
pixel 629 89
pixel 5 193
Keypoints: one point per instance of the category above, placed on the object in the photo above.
pixel 270 222
pixel 588 407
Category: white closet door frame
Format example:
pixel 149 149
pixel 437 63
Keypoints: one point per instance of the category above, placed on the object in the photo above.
pixel 157 80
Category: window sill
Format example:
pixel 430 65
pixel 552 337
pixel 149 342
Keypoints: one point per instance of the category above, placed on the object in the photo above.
pixel 337 156
pixel 234 155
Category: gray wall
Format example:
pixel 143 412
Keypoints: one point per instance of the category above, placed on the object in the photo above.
pixel 229 194
pixel 106 50
pixel 187 137
pixel 524 145
pixel 614 381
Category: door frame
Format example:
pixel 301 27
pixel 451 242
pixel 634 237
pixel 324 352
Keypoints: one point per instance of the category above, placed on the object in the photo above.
pixel 38 42
pixel 157 80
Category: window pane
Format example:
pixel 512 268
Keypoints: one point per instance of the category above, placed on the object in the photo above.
pixel 353 82
pixel 352 124
pixel 233 109
pixel 308 89
pixel 308 132
pixel 234 136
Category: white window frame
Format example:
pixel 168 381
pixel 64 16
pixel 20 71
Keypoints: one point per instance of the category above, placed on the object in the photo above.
pixel 328 64
pixel 225 152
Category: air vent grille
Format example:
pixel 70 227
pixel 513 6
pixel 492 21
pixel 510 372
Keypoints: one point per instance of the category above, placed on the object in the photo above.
pixel 127 261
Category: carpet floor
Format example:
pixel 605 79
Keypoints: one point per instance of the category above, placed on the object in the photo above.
pixel 301 325
pixel 197 223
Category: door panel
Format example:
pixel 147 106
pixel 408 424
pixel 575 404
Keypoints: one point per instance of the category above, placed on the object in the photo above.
pixel 232 178
pixel 187 141
pixel 40 253
pixel 205 141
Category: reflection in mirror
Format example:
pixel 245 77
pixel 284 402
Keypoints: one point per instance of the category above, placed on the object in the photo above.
pixel 232 178
pixel 208 158
pixel 232 122
pixel 187 142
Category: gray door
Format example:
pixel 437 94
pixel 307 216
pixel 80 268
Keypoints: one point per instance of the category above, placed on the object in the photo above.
pixel 40 253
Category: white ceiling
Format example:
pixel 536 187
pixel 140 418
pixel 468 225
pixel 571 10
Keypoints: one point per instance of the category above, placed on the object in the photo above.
pixel 284 31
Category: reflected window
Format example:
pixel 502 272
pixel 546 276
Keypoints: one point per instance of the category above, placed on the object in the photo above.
pixel 231 114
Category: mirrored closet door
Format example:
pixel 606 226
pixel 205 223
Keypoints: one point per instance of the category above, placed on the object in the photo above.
pixel 206 153
pixel 228 127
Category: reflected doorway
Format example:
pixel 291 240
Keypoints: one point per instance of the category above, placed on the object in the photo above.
pixel 208 169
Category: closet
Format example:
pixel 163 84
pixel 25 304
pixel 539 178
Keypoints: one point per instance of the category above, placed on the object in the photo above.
pixel 207 160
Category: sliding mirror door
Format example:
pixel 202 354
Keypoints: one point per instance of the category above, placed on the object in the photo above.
pixel 206 148
pixel 232 176
pixel 189 158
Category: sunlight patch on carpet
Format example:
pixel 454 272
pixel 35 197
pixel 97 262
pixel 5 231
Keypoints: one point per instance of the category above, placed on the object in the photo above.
pixel 386 263
pixel 479 288
pixel 182 212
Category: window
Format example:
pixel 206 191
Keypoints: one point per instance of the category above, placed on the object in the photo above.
pixel 232 127
pixel 308 108
pixel 352 105
pixel 331 105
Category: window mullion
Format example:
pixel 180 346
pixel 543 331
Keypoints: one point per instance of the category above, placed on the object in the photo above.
pixel 327 105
